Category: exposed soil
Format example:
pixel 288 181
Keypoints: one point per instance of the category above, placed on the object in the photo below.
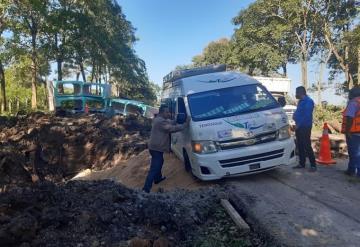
pixel 45 147
pixel 100 213
pixel 41 206
pixel 133 172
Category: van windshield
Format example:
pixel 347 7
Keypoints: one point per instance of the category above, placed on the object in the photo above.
pixel 231 101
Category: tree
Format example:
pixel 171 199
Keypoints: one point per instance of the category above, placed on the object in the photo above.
pixel 251 55
pixel 337 18
pixel 3 26
pixel 216 52
pixel 91 38
pixel 62 28
pixel 29 16
pixel 18 85
pixel 353 40
pixel 263 40
pixel 283 30
pixel 157 91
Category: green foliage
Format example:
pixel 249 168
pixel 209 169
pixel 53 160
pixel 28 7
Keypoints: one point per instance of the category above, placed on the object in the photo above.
pixel 351 41
pixel 88 38
pixel 217 52
pixel 326 114
pixel 264 39
pixel 222 232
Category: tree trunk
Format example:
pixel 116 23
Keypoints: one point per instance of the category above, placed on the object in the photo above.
pixel 50 89
pixel 58 59
pixel 284 67
pixel 3 89
pixel 358 66
pixel 93 71
pixel 82 71
pixel 347 70
pixel 303 64
pixel 342 62
pixel 59 68
pixel 251 71
pixel 33 72
pixel 322 65
pixel 100 73
pixel 46 102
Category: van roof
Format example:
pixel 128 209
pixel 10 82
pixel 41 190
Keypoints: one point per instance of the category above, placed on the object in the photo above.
pixel 212 81
pixel 183 73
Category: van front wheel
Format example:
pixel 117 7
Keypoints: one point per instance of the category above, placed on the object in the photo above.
pixel 187 163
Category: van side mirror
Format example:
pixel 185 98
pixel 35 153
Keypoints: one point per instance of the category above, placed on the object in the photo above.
pixel 181 118
pixel 282 101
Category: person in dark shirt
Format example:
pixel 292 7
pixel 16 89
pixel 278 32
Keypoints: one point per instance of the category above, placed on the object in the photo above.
pixel 303 118
pixel 159 143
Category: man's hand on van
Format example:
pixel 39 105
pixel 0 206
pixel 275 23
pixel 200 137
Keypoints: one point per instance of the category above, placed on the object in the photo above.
pixel 187 122
pixel 292 127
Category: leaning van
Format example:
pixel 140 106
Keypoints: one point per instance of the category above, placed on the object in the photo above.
pixel 236 128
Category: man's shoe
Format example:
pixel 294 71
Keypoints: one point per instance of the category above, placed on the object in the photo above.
pixel 161 179
pixel 312 169
pixel 298 167
pixel 349 173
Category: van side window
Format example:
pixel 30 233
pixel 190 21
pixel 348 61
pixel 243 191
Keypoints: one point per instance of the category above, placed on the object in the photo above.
pixel 181 105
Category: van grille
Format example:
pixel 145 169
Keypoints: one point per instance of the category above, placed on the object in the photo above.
pixel 252 158
pixel 262 138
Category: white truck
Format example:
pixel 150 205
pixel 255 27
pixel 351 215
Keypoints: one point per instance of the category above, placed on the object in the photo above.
pixel 279 87
pixel 237 127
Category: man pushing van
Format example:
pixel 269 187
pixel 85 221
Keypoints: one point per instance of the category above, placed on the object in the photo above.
pixel 159 143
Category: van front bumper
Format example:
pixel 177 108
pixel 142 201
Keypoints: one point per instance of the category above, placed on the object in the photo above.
pixel 244 160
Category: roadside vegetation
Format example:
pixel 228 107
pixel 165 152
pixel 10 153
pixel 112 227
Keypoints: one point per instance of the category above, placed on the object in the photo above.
pixel 269 35
pixel 93 41
pixel 87 40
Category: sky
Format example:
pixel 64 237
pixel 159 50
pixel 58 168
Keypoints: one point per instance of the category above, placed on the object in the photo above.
pixel 172 32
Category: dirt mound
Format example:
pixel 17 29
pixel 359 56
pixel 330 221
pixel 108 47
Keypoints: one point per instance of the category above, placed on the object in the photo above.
pixel 133 172
pixel 101 213
pixel 56 148
pixel 12 169
pixel 7 121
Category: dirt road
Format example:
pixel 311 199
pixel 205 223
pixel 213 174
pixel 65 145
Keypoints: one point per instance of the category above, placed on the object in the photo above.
pixel 294 207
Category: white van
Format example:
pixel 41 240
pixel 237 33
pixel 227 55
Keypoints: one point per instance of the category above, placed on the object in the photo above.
pixel 236 127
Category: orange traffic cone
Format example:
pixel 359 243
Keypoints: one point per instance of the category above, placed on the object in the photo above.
pixel 86 108
pixel 325 154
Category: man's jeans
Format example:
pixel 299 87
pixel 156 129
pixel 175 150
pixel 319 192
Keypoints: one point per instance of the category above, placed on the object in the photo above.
pixel 154 175
pixel 353 144
pixel 303 141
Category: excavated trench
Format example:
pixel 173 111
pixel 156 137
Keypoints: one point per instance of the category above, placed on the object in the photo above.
pixel 41 206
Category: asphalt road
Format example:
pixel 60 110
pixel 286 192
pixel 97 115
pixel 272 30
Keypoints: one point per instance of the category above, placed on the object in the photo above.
pixel 299 208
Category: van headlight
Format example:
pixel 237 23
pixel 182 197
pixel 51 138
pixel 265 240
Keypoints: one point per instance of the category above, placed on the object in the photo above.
pixel 284 133
pixel 204 147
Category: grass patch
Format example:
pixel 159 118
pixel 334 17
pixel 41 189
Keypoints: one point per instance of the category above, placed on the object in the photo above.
pixel 221 231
